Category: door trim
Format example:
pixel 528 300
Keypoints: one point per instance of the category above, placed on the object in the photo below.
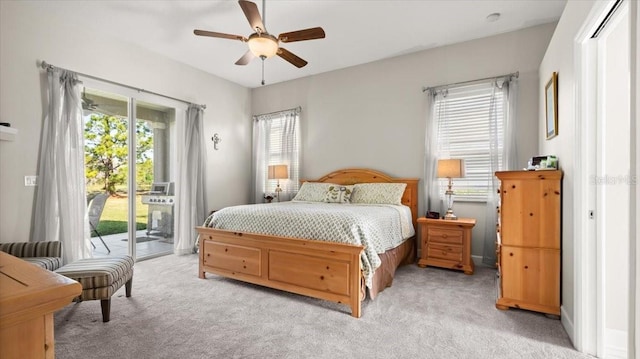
pixel 587 334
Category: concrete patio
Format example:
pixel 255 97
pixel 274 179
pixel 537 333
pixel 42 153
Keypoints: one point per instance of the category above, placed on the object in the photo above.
pixel 153 246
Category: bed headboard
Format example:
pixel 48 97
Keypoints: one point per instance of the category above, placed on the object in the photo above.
pixel 351 176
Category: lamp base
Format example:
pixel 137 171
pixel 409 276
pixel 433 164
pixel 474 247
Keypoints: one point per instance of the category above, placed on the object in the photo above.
pixel 449 215
pixel 278 190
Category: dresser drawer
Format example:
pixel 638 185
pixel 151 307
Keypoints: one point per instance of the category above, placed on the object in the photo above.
pixel 443 235
pixel 443 251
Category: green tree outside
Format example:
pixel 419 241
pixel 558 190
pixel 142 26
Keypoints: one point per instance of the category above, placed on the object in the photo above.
pixel 106 152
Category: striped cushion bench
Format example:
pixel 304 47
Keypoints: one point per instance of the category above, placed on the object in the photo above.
pixel 47 255
pixel 100 278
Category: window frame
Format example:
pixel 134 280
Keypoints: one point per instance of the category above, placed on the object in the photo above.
pixel 462 129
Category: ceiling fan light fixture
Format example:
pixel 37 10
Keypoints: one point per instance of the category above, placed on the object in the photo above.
pixel 263 45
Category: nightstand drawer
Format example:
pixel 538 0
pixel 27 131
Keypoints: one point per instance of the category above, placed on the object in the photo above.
pixel 442 235
pixel 441 251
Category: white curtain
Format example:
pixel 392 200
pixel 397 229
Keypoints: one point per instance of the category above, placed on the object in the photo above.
pixel 509 160
pixel 260 157
pixel 285 151
pixel 191 206
pixel 61 204
pixel 431 183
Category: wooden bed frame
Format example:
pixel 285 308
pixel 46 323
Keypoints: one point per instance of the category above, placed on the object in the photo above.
pixel 318 269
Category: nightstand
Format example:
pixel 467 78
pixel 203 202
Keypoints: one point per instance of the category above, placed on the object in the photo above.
pixel 446 243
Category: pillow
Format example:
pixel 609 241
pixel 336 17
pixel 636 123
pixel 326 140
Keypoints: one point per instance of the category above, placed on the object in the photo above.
pixel 312 191
pixel 338 194
pixel 378 193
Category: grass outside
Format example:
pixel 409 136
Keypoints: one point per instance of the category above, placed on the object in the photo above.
pixel 114 216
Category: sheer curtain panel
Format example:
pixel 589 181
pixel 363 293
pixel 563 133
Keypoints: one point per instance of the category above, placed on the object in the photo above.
pixel 502 158
pixel 191 206
pixel 61 204
pixel 431 183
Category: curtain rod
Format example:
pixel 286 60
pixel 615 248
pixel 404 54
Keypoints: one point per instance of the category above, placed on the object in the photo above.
pixel 513 74
pixel 297 109
pixel 50 67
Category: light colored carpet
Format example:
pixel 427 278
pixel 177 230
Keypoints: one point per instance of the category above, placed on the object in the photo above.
pixel 427 313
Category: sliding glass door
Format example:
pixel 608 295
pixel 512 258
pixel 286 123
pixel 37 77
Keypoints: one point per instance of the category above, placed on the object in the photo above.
pixel 130 158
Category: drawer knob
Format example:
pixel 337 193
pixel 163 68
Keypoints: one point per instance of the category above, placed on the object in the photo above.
pixel 526 267
pixel 511 254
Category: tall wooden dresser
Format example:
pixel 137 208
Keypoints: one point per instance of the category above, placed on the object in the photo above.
pixel 529 240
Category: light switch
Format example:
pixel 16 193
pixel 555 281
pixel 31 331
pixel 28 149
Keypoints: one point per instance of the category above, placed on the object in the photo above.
pixel 30 181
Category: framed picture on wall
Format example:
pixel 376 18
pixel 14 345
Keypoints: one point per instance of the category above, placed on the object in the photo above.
pixel 551 106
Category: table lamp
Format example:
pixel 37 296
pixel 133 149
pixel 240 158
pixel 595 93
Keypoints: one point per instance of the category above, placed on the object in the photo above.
pixel 450 168
pixel 278 172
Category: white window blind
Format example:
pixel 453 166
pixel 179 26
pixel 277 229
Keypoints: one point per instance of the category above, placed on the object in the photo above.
pixel 465 131
pixel 283 148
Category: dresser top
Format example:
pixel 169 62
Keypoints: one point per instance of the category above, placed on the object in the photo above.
pixel 530 175
pixel 451 222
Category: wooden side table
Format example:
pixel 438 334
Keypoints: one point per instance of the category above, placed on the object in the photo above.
pixel 28 298
pixel 446 243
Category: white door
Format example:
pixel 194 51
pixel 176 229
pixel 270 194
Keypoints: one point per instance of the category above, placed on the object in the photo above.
pixel 613 183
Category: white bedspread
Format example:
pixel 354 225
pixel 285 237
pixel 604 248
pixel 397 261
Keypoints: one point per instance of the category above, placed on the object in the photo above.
pixel 378 227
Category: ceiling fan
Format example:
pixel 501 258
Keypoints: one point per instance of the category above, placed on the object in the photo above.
pixel 89 105
pixel 262 44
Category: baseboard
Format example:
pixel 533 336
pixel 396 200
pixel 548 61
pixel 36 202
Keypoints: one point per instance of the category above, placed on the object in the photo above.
pixel 477 260
pixel 567 323
pixel 615 344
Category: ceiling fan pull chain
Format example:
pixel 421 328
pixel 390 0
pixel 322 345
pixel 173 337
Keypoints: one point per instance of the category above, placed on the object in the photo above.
pixel 262 70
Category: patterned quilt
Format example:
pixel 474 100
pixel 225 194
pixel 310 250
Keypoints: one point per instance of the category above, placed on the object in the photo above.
pixel 377 227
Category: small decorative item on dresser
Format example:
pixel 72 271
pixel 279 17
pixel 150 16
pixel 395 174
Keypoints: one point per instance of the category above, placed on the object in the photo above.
pixel 446 244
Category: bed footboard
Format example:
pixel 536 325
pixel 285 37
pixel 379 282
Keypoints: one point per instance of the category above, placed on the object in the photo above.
pixel 318 269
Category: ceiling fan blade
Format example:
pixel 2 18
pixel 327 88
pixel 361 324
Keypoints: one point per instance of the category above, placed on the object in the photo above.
pixel 302 35
pixel 220 35
pixel 293 59
pixel 246 58
pixel 253 15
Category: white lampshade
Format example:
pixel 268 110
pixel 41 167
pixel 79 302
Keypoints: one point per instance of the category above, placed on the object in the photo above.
pixel 278 172
pixel 263 45
pixel 451 168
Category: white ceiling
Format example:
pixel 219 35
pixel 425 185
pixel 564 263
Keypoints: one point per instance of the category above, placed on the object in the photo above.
pixel 357 31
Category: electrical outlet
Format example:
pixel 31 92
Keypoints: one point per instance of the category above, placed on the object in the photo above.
pixel 30 181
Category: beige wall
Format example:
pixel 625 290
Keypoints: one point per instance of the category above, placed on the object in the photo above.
pixel 28 35
pixel 374 115
pixel 560 58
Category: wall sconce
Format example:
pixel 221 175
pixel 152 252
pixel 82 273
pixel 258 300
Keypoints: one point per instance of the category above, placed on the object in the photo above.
pixel 216 139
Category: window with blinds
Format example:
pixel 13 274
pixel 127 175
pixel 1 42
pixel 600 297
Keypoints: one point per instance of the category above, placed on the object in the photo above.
pixel 282 141
pixel 465 131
